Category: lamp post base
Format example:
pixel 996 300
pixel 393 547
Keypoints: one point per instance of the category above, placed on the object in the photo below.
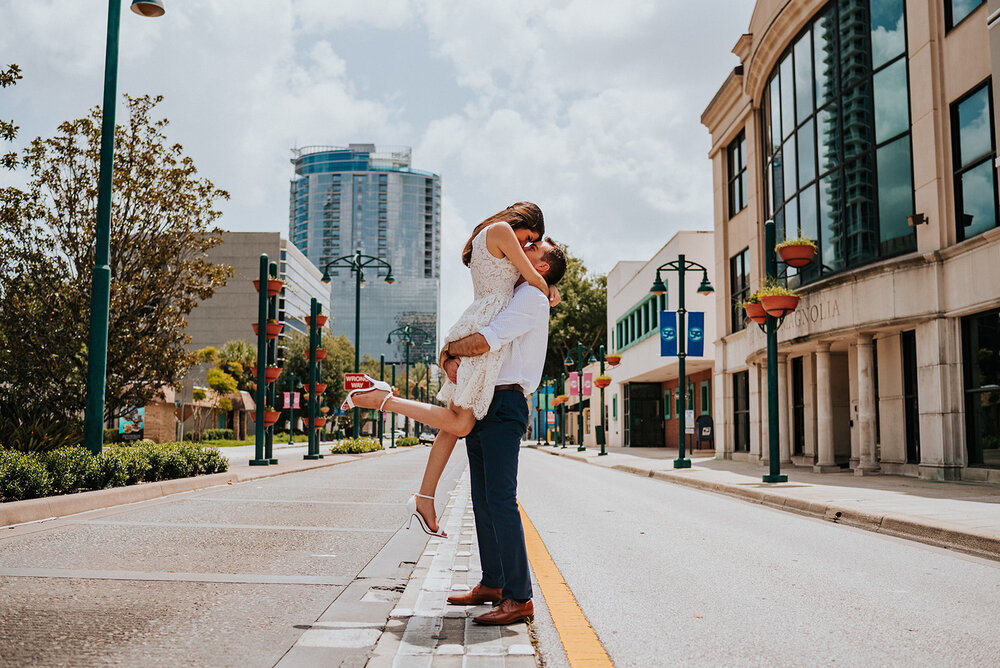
pixel 260 462
pixel 316 456
pixel 581 449
pixel 775 478
pixel 601 453
pixel 272 460
pixel 682 463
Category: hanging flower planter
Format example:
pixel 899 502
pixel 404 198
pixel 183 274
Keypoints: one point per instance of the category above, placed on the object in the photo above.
pixel 269 417
pixel 395 391
pixel 613 360
pixel 777 301
pixel 317 423
pixel 320 354
pixel 320 320
pixel 755 311
pixel 324 410
pixel 602 381
pixel 561 399
pixel 271 331
pixel 320 388
pixel 271 374
pixel 796 252
pixel 273 286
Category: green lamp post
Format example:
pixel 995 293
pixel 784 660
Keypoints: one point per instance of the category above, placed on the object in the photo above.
pixel 405 334
pixel 100 295
pixel 579 351
pixel 562 412
pixel 681 265
pixel 356 263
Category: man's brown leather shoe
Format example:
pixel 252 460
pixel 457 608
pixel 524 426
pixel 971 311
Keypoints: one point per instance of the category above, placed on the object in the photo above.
pixel 478 596
pixel 507 611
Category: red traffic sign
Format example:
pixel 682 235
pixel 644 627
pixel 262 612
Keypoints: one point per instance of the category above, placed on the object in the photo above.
pixel 355 381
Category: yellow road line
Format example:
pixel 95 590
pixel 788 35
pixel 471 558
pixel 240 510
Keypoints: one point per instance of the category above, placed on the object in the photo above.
pixel 583 649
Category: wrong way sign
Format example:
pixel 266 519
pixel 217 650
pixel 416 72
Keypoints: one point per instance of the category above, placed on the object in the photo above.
pixel 355 381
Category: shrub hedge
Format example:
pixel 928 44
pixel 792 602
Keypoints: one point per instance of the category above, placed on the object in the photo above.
pixel 217 435
pixel 355 446
pixel 407 441
pixel 74 468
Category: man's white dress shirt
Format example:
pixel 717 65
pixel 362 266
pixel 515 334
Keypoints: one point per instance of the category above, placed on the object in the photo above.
pixel 525 325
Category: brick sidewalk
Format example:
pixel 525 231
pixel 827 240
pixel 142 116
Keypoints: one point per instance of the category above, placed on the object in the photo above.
pixel 956 515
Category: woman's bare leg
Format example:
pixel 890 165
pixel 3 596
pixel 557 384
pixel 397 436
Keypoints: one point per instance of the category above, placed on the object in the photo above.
pixel 453 419
pixel 444 444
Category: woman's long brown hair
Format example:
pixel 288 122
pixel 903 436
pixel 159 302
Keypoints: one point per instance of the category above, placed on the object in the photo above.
pixel 520 216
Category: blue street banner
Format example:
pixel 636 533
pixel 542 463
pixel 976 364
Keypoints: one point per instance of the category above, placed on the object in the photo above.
pixel 696 333
pixel 668 333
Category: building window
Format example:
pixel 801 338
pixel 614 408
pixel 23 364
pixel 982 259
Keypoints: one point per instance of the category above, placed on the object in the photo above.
pixel 836 127
pixel 706 397
pixel 666 405
pixel 737 169
pixel 741 411
pixel 955 11
pixel 739 287
pixel 981 356
pixel 798 408
pixel 910 400
pixel 973 150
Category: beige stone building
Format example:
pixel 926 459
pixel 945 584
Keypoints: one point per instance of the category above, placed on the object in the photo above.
pixel 868 126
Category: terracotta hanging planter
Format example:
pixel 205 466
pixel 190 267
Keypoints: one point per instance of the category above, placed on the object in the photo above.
pixel 271 374
pixel 271 331
pixel 395 392
pixel 320 388
pixel 317 423
pixel 320 320
pixel 269 417
pixel 779 305
pixel 324 410
pixel 320 354
pixel 756 313
pixel 273 286
pixel 613 360
pixel 796 252
pixel 602 381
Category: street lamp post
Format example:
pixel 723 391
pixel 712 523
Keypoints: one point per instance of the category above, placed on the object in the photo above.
pixel 603 436
pixel 100 295
pixel 291 408
pixel 406 333
pixel 356 263
pixel 579 351
pixel 771 331
pixel 681 266
pixel 562 412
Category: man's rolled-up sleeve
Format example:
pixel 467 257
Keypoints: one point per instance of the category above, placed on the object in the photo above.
pixel 527 308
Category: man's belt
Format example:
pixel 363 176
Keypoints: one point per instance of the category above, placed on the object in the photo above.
pixel 509 386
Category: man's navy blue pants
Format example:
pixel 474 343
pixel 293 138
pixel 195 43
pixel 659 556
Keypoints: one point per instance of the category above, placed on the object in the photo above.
pixel 493 447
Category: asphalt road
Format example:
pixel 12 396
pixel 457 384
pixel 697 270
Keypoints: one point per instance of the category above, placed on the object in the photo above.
pixel 669 575
pixel 226 576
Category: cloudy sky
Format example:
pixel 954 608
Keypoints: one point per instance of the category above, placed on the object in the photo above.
pixel 589 108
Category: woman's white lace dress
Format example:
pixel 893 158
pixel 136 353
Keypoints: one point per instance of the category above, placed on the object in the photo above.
pixel 493 280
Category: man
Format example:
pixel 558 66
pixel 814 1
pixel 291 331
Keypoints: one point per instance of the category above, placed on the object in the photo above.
pixel 494 443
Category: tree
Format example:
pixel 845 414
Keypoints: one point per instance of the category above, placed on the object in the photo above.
pixel 8 131
pixel 580 318
pixel 163 218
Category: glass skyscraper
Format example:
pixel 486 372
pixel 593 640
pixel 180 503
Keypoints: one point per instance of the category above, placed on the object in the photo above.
pixel 359 198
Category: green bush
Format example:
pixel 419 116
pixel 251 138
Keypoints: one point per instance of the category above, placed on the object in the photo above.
pixel 26 432
pixel 356 446
pixel 407 441
pixel 72 468
pixel 135 461
pixel 22 476
pixel 212 461
pixel 192 436
pixel 217 435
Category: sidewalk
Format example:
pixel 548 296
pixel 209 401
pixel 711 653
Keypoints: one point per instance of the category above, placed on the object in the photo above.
pixel 289 461
pixel 424 631
pixel 962 516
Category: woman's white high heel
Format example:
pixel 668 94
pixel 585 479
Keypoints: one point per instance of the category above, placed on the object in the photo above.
pixel 375 385
pixel 411 505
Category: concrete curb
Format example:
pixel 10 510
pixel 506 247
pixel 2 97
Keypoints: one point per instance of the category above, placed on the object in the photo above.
pixel 33 510
pixel 892 524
